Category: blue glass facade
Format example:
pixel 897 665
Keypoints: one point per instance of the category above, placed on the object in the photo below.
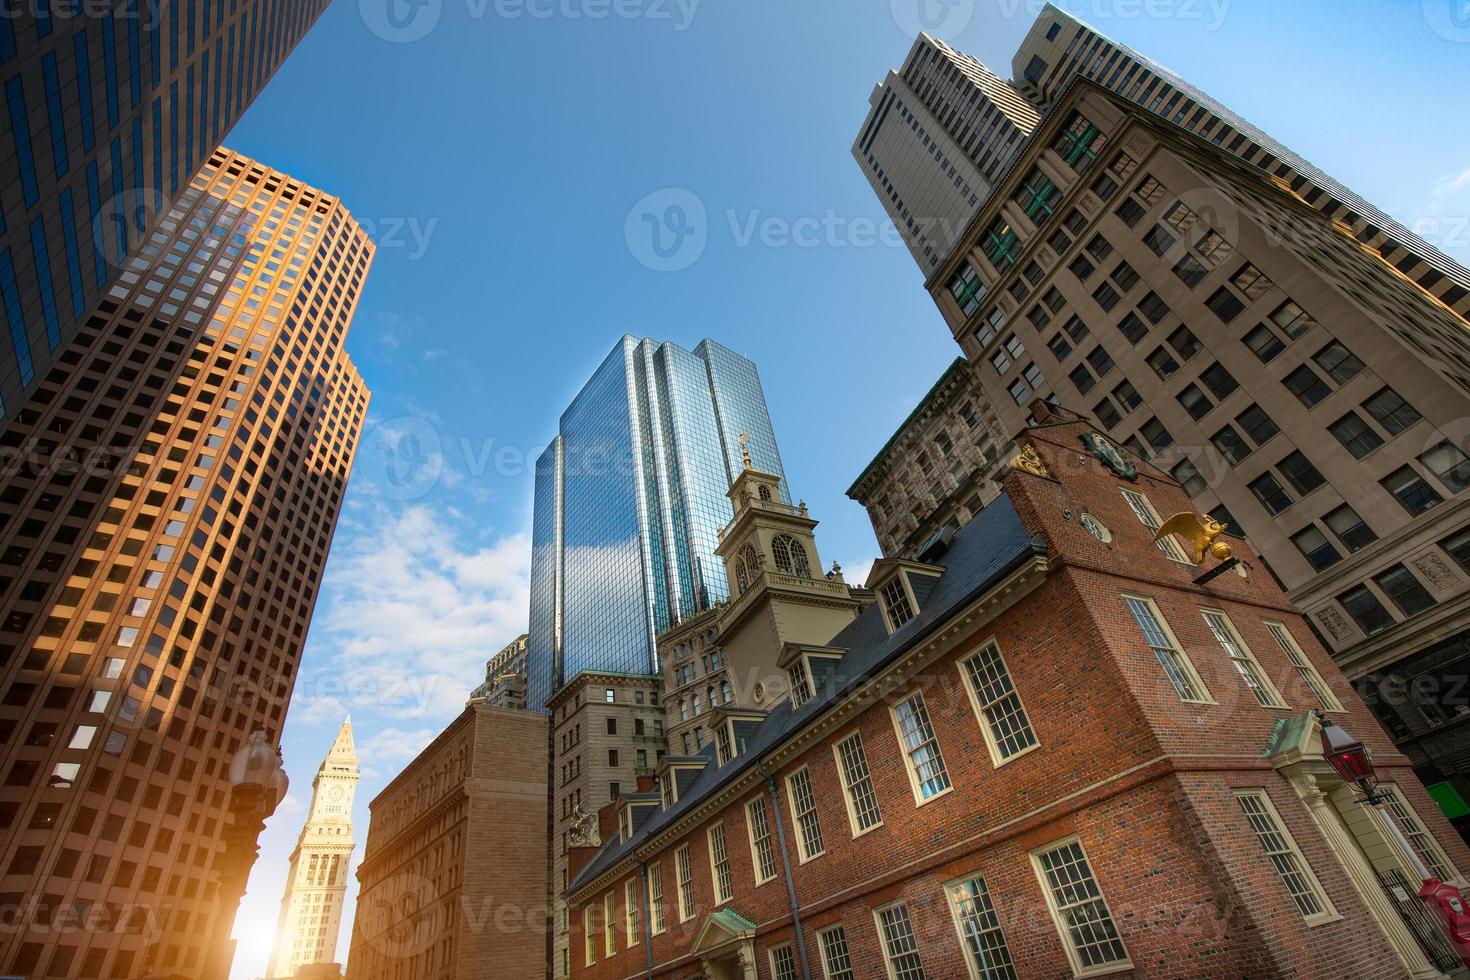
pixel 95 100
pixel 629 501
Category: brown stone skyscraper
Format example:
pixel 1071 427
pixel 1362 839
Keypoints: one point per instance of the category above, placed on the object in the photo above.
pixel 169 494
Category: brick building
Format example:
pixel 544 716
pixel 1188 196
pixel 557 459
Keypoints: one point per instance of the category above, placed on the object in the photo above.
pixel 1051 748
pixel 456 857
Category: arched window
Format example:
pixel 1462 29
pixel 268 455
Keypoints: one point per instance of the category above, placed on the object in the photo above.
pixel 725 691
pixel 764 492
pixel 683 710
pixel 752 564
pixel 791 556
pixel 709 694
pixel 742 575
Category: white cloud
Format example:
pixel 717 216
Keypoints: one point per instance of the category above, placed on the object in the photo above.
pixel 1448 187
pixel 856 572
pixel 386 751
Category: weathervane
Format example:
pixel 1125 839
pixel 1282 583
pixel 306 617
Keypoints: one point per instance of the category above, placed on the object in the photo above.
pixel 745 449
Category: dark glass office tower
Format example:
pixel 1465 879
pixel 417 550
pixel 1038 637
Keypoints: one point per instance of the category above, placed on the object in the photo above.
pixel 630 499
pixel 109 110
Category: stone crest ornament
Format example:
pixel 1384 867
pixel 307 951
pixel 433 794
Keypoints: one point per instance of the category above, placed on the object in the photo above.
pixel 1029 462
pixel 1336 625
pixel 1435 570
pixel 1109 455
pixel 584 829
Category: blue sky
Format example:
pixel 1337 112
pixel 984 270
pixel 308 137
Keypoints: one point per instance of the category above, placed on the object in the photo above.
pixel 502 153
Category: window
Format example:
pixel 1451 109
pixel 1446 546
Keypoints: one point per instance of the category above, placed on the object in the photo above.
pixel 1133 328
pixel 804 814
pixel 1191 480
pixel 1251 282
pixel 783 964
pixel 1082 378
pixel 900 947
pixel 1292 319
pixel 1447 462
pixel 1099 248
pixel 1125 277
pixel 1167 651
pixel 1258 425
pixel 1190 271
pixel 1127 396
pixel 1288 861
pixel 1060 348
pixel 1077 905
pixel 1315 548
pixel 1231 445
pixel 1159 240
pixel 656 897
pixel 1300 473
pixel 1400 585
pixel 1339 362
pixel 1106 296
pixel 762 853
pixel 1153 308
pixel 1079 143
pixel 633 928
pixel 1264 343
pixel 922 756
pixel 1101 361
pixel 1225 304
pixel 1355 435
pixel 967 289
pixel 685 873
pixel 1219 380
pixel 1107 413
pixel 1001 245
pixel 1366 610
pixel 1081 268
pixel 1423 842
pixel 790 556
pixel 998 707
pixel 1038 196
pixel 1457 546
pixel 1143 509
pixel 609 926
pixel 993 323
pixel 1391 411
pixel 1350 529
pixel 1308 388
pixel 1245 662
pixel 836 958
pixel 1156 435
pixel 896 602
pixel 589 934
pixel 1163 363
pixel 857 784
pixel 800 681
pixel 1304 668
pixel 609 696
pixel 719 865
pixel 1270 494
pixel 1195 402
pixel 1410 490
pixel 986 952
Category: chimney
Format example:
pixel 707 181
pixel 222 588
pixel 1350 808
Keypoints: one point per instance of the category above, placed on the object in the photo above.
pixel 577 859
pixel 646 784
pixel 1041 411
pixel 607 820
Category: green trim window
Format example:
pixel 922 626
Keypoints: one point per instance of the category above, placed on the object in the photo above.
pixel 1001 245
pixel 967 289
pixel 1080 143
pixel 1038 196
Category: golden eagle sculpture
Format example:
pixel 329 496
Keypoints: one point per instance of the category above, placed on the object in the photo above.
pixel 1200 530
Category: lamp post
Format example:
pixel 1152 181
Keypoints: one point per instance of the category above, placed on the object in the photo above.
pixel 257 786
pixel 1351 759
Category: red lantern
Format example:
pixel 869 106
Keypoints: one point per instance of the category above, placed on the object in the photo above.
pixel 1348 756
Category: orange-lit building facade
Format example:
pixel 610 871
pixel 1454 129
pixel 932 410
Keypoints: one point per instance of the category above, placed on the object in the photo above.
pixel 170 491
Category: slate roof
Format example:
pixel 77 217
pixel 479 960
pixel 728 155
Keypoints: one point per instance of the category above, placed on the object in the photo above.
pixel 983 553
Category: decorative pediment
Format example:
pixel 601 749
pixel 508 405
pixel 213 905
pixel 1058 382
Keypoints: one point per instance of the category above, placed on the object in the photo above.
pixel 720 930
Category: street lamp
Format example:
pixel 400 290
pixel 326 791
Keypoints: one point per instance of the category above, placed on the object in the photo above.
pixel 257 786
pixel 1351 759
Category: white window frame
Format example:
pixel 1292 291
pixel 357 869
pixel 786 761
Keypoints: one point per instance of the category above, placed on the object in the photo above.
pixel 1424 843
pixel 1185 663
pixel 1247 659
pixel 609 925
pixel 657 909
pixel 799 681
pixel 1073 959
pixel 883 937
pixel 684 882
pixel 908 596
pixel 908 762
pixel 632 913
pixel 803 853
pixel 589 934
pixel 723 884
pixel 791 955
pixel 1303 665
pixel 828 972
pixel 848 795
pixel 955 893
pixel 758 805
pixel 1328 912
pixel 1143 509
pixel 982 716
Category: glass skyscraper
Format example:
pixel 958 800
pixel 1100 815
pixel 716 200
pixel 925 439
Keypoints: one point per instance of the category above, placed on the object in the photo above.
pixel 109 109
pixel 629 501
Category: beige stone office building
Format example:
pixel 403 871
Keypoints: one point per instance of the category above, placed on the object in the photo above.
pixel 1296 357
pixel 454 867
pixel 607 730
pixel 505 676
pixel 936 471
pixel 167 499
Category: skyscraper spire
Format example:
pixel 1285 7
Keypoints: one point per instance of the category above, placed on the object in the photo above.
pixel 311 909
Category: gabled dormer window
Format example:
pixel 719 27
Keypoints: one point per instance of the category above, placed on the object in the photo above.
pixel 625 822
pixel 896 605
pixel 666 789
pixel 801 683
pixel 723 746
